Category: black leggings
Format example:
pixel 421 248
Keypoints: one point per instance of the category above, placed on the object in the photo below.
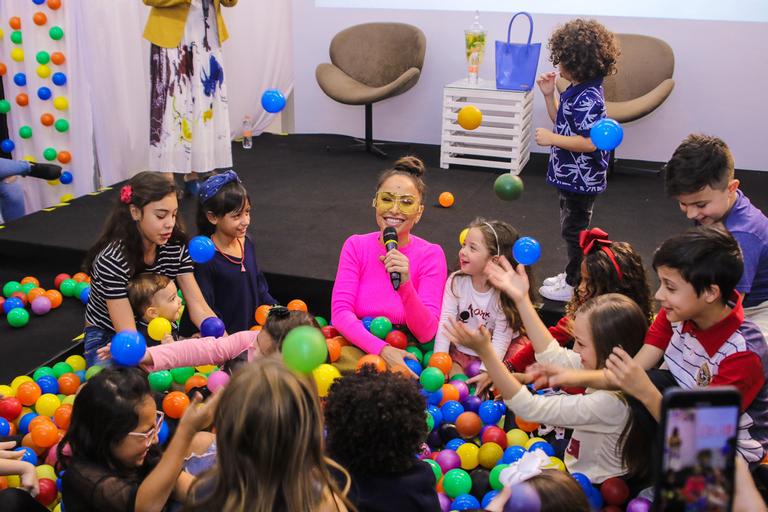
pixel 18 500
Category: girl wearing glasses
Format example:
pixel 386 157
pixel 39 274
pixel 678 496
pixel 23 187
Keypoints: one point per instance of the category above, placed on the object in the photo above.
pixel 115 463
pixel 363 287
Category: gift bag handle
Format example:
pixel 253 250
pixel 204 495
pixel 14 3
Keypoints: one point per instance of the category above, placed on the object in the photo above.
pixel 530 32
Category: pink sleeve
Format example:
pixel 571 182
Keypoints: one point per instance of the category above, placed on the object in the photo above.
pixel 343 301
pixel 200 351
pixel 422 306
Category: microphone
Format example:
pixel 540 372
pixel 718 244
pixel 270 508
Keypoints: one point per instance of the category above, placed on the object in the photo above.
pixel 390 242
pixel 10 168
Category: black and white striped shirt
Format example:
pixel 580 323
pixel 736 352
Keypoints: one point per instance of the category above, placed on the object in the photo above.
pixel 110 275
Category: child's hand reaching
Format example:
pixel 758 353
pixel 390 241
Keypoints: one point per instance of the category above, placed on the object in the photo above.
pixel 511 280
pixel 459 334
pixel 6 451
pixel 544 137
pixel 546 83
pixel 103 353
pixel 545 375
pixel 623 372
pixel 199 415
pixel 167 339
pixel 25 470
pixel 482 383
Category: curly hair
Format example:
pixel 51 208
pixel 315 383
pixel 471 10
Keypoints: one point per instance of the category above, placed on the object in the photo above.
pixel 585 49
pixel 375 422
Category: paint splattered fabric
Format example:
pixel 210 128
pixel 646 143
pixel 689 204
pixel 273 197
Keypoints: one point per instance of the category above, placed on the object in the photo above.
pixel 189 118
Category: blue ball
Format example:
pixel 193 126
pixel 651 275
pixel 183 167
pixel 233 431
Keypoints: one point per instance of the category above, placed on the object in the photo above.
pixel 488 498
pixel 38 2
pixel 489 413
pixel 5 427
pixel 544 446
pixel 273 101
pixel 12 303
pixel 81 374
pixel 85 295
pixel 65 178
pixel 128 347
pixel 512 454
pixel 59 78
pixel 29 455
pixel 437 415
pixel 212 326
pixel 48 384
pixel 451 410
pixel 465 502
pixel 201 249
pixel 414 366
pixel 44 93
pixel 454 444
pixel 502 407
pixel 433 398
pixel 58 485
pixel 595 498
pixel 583 481
pixel 472 403
pixel 7 146
pixel 20 79
pixel 367 322
pixel 162 434
pixel 606 134
pixel 526 250
pixel 26 419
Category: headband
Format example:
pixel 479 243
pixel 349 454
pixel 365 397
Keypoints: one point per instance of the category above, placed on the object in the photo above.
pixel 212 185
pixel 528 466
pixel 596 237
pixel 498 252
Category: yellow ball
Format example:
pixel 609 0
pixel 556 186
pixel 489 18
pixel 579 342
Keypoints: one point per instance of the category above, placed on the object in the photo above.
pixel 555 463
pixel 60 103
pixel 533 440
pixel 43 71
pixel 76 362
pixel 69 399
pixel 30 158
pixel 516 437
pixel 206 368
pixel 1 33
pixel 468 453
pixel 17 54
pixel 490 454
pixel 7 391
pixel 158 328
pixel 13 481
pixel 470 117
pixel 46 471
pixel 66 198
pixel 463 235
pixel 18 381
pixel 54 183
pixel 324 376
pixel 58 507
pixel 47 404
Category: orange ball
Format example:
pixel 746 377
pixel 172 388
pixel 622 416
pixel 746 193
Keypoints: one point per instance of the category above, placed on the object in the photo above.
pixel 297 305
pixel 255 328
pixel 35 293
pixel 12 431
pixel 3 483
pixel 55 298
pixel 372 359
pixel 45 435
pixel 468 424
pixel 47 119
pixel 525 426
pixel 402 370
pixel 28 393
pixel 175 403
pixel 445 200
pixel 439 487
pixel 3 69
pixel 22 99
pixel 15 23
pixel 39 18
pixel 442 361
pixel 261 314
pixel 80 277
pixel 334 349
pixel 449 393
pixel 62 416
pixel 54 4
pixel 37 421
pixel 65 157
pixel 30 279
pixel 29 443
pixel 195 381
pixel 58 58
pixel 68 383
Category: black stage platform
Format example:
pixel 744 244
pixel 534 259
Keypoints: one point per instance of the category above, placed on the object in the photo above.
pixel 306 202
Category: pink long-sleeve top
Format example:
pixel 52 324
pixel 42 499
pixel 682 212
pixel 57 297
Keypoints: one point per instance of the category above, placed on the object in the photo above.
pixel 363 288
pixel 202 351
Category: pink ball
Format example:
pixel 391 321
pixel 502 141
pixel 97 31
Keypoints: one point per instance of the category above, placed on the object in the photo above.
pixel 462 388
pixel 41 305
pixel 217 380
pixel 639 505
pixel 52 456
pixel 448 460
pixel 445 502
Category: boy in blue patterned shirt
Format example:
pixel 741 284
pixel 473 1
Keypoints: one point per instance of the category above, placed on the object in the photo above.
pixel 585 52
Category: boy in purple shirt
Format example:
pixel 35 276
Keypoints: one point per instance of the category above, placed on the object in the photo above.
pixel 585 52
pixel 700 177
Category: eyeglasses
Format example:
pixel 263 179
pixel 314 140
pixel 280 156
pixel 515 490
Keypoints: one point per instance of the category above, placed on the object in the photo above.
pixel 385 201
pixel 149 436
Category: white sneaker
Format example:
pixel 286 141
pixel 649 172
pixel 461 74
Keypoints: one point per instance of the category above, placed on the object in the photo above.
pixel 562 292
pixel 552 281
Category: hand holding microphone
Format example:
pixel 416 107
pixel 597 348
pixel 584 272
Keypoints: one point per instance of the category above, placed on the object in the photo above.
pixel 395 262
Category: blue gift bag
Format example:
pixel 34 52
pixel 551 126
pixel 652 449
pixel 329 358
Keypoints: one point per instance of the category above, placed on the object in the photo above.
pixel 516 63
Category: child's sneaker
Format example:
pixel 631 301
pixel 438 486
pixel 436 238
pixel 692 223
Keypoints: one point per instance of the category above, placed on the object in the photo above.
pixel 561 291
pixel 552 281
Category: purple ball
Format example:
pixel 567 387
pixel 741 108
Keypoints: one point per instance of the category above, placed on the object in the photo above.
pixel 212 326
pixel 448 460
pixel 462 388
pixel 41 305
pixel 472 403
pixel 639 505
pixel 217 379
pixel 445 502
pixel 473 368
pixel 524 499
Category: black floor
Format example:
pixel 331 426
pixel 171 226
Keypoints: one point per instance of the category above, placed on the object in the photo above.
pixel 307 201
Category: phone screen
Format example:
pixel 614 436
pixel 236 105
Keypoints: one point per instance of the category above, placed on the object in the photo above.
pixel 697 463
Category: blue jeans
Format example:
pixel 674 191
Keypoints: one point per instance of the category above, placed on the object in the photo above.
pixel 11 200
pixel 13 167
pixel 95 338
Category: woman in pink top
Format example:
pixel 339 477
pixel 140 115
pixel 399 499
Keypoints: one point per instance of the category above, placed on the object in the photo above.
pixel 363 286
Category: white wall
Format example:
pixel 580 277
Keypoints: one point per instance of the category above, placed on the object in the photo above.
pixel 721 70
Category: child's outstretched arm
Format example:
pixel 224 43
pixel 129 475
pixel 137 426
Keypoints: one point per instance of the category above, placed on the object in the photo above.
pixel 546 83
pixel 198 351
pixel 11 465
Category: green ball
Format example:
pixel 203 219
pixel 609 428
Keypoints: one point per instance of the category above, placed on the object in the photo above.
pixel 496 485
pixel 67 287
pixel 43 57
pixel 25 132
pixel 26 287
pixel 16 37
pixel 416 352
pixel 428 346
pixel 182 375
pixel 456 482
pixel 5 106
pixel 61 368
pixel 181 296
pixel 50 154
pixel 427 357
pixel 430 423
pixel 508 187
pixel 461 377
pixel 92 371
pixel 436 469
pixel 56 33
pixel 61 125
pixel 11 287
pixel 79 287
pixel 380 327
pixel 322 322
pixel 42 372
pixel 432 379
pixel 160 381
pixel 18 317
pixel 304 349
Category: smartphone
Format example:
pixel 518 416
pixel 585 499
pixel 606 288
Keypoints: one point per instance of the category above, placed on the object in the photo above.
pixel 695 470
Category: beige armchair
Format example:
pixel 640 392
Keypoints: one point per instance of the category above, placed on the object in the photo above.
pixel 370 63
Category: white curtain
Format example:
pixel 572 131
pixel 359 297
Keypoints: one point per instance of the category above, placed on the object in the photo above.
pixel 108 88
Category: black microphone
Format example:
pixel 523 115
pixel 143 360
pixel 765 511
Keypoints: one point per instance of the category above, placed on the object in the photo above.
pixel 44 171
pixel 390 242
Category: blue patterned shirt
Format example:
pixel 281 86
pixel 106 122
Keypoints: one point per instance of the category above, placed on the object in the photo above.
pixel 581 106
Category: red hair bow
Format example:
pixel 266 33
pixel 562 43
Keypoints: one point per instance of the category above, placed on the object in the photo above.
pixel 125 194
pixel 596 237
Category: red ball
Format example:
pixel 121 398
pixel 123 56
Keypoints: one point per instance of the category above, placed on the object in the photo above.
pixel 329 331
pixel 397 339
pixel 615 491
pixel 468 424
pixel 21 296
pixel 612 508
pixel 59 278
pixel 48 491
pixel 494 434
pixel 10 408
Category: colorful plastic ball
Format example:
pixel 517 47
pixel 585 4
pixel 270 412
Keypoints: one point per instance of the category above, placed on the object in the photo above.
pixel 454 444
pixel 468 453
pixel 11 287
pixel 128 348
pixel 414 366
pixel 158 328
pixel 20 79
pixel 10 408
pixel 7 146
pixel 334 349
pixel 450 393
pixel 304 349
pixel 16 37
pixel 67 287
pixel 28 287
pixel 85 295
pixel 56 33
pixel 416 352
pixel 43 57
pixel 397 339
pixel 490 454
pixel 462 388
pixel 433 398
pixel 489 413
pixel 5 427
pixel 273 101
pixel 606 134
pixel 29 454
pixel 595 499
pixel 456 482
pixel 28 393
pixel 524 425
pixel 373 360
pixel 80 286
pixel 517 437
pixel 325 375
pixel 17 54
pixel 218 380
pixel 58 58
pixel 297 305
pixel 211 326
pixel 46 471
pixel 61 368
pixel 3 67
pixel 496 485
pixel 175 403
pixel 25 421
pixel 512 454
pixel 7 391
pixel 472 403
pixel 12 303
pixel 526 250
pixel 543 446
pixel 43 71
pixel 5 106
pixel 60 103
pixel 442 361
pixel 615 491
pixel 201 249
pixel 261 313
pixel 470 117
pixel 47 404
pixel 21 296
pixel 436 413
pixel 39 18
pixel 64 157
pixel 182 374
pixel 639 505
pixel 465 502
pixel 463 236
pixel 432 379
pixel 50 154
pixel 62 416
pixel 93 371
pixel 163 433
pixel 468 424
pixel 61 126
pixel 488 498
pixel 45 434
pixel 473 368
pixel 18 381
pixel 380 327
pixel 438 472
pixel 508 187
pixel 47 492
pixel 195 381
pixel 68 383
pixel 66 176
pixel 160 381
pixel 59 78
pixel 451 410
pixel 366 320
pixel 524 498
pixel 48 384
pixel 446 199
pixel 25 132
pixel 493 434
pixel 18 317
pixel 448 460
pixel 430 423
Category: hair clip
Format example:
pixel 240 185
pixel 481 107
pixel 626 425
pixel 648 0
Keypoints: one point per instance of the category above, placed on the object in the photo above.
pixel 279 312
pixel 126 193
pixel 212 185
